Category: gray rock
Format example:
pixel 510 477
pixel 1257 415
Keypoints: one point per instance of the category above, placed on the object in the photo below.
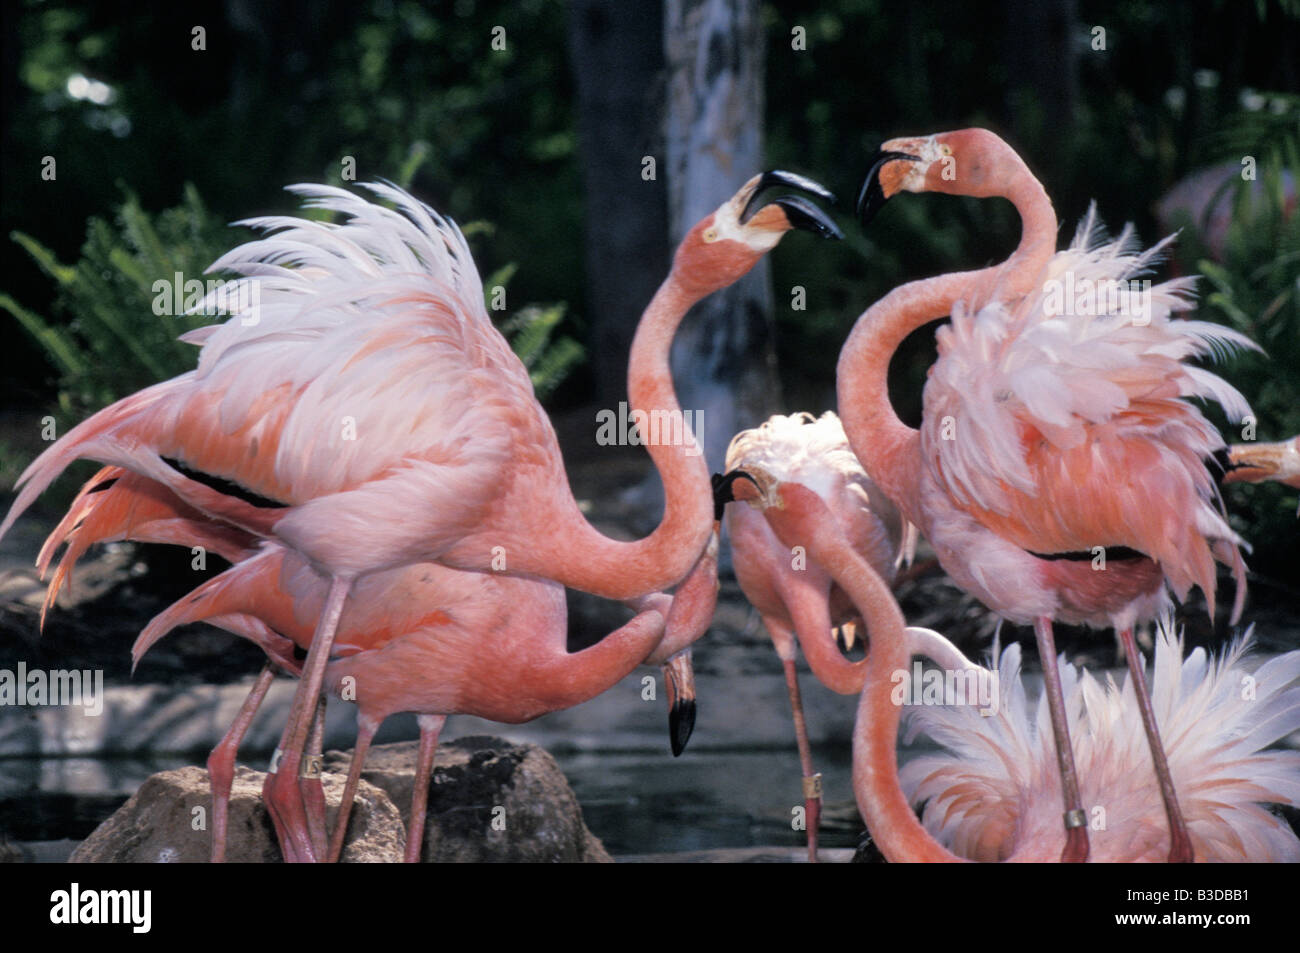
pixel 490 800
pixel 157 824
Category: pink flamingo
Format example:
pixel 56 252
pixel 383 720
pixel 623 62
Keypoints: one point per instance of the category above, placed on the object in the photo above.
pixel 424 638
pixel 1055 439
pixel 361 409
pixel 990 797
pixel 794 596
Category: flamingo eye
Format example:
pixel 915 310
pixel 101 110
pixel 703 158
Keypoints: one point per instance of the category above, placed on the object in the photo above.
pixel 946 150
pixel 710 235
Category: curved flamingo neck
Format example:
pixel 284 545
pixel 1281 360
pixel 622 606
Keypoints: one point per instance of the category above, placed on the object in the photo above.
pixel 829 665
pixel 890 450
pixel 801 518
pixel 572 679
pixel 584 558
pixel 810 611
pixel 693 606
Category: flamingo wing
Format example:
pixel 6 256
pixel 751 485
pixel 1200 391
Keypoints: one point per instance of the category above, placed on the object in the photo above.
pixel 359 359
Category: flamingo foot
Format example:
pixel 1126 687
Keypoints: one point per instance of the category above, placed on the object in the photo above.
pixel 1180 850
pixel 1076 846
pixel 284 802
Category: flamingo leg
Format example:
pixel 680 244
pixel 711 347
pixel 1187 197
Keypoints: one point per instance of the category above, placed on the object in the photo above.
pixel 221 763
pixel 812 782
pixel 430 728
pixel 309 779
pixel 1076 834
pixel 281 792
pixel 366 728
pixel 1180 844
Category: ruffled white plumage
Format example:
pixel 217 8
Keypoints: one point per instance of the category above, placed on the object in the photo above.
pixel 1004 367
pixel 996 787
pixel 815 452
pixel 322 293
pixel 799 448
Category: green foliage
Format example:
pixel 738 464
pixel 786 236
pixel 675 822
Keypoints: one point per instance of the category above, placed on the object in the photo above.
pixel 113 341
pixel 403 89
pixel 549 362
pixel 1255 288
pixel 529 331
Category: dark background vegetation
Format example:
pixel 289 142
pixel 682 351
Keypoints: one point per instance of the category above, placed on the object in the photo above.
pixel 412 91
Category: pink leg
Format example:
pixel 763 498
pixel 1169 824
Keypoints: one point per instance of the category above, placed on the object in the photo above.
pixel 812 782
pixel 221 763
pixel 1180 844
pixel 1076 834
pixel 309 780
pixel 430 728
pixel 282 793
pixel 366 728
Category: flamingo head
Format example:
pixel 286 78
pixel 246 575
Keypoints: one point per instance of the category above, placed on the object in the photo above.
pixel 972 162
pixel 725 245
pixel 1257 462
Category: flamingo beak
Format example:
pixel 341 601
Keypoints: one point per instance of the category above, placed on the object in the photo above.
pixel 724 490
pixel 762 494
pixel 1257 462
pixel 679 677
pixel 798 211
pixel 1254 463
pixel 873 194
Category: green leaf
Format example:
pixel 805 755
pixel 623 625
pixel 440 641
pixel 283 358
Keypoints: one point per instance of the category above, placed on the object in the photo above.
pixel 63 274
pixel 56 341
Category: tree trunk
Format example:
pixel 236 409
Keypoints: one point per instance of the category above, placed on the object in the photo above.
pixel 724 361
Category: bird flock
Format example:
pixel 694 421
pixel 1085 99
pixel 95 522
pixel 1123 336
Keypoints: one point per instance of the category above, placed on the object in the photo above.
pixel 361 445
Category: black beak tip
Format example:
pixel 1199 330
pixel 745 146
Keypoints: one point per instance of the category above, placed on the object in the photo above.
pixel 681 724
pixel 803 214
pixel 870 200
pixel 871 197
pixel 723 490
